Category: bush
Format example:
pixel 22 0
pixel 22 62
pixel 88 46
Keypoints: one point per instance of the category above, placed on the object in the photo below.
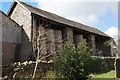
pixel 73 61
pixel 102 65
pixel 25 69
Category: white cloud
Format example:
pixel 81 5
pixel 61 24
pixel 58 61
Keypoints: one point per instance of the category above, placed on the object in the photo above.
pixel 86 12
pixel 113 32
pixel 90 20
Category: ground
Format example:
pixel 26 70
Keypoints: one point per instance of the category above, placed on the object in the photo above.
pixel 110 74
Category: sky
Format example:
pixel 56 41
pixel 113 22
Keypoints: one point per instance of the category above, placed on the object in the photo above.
pixel 101 14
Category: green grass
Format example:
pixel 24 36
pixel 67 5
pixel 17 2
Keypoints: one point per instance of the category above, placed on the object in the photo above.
pixel 110 74
pixel 51 74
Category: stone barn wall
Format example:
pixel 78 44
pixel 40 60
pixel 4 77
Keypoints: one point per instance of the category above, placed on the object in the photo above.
pixel 23 17
pixel 11 37
pixel 30 22
pixel 103 47
pixel 29 19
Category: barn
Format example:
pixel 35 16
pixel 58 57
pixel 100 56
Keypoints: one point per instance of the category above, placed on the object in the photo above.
pixel 56 31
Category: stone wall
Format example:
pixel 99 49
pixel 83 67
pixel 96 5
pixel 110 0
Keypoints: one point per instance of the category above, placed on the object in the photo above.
pixel 8 52
pixel 11 32
pixel 103 47
pixel 58 40
pixel 78 38
pixel 39 41
pixel 23 18
pixel 93 43
pixel 52 40
pixel 50 43
pixel 11 36
pixel 91 40
pixel 68 34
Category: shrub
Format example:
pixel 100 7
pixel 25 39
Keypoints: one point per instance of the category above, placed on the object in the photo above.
pixel 25 69
pixel 101 65
pixel 73 61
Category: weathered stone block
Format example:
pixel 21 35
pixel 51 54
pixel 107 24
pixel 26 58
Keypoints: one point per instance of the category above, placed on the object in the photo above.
pixel 58 36
pixel 78 38
pixel 50 42
pixel 58 40
pixel 68 34
pixel 93 44
pixel 50 35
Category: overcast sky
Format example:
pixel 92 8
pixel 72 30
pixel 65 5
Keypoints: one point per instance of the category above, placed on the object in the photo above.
pixel 101 14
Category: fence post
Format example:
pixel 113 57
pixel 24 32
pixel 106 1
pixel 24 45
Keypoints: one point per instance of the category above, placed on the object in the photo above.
pixel 117 68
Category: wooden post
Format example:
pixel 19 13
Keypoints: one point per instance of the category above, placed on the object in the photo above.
pixel 117 68
pixel 33 35
pixel 33 27
pixel 68 34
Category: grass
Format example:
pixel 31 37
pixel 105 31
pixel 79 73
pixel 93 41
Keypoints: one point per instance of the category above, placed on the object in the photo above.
pixel 51 74
pixel 110 74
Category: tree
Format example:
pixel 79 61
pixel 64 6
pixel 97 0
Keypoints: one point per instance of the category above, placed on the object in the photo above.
pixel 39 46
pixel 73 61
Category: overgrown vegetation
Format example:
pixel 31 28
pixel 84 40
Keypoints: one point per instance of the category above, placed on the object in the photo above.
pixel 26 69
pixel 46 69
pixel 73 61
pixel 102 65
